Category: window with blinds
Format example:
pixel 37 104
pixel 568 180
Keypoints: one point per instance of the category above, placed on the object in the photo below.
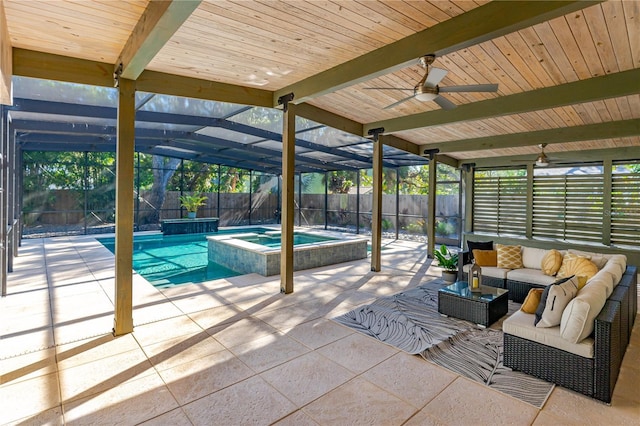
pixel 500 204
pixel 625 208
pixel 568 207
pixel 569 203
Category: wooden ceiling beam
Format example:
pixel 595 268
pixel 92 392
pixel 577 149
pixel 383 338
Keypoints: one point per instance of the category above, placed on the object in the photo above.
pixel 29 63
pixel 608 86
pixel 403 144
pixel 6 68
pixel 483 23
pixel 328 118
pixel 613 129
pixel 175 85
pixel 158 23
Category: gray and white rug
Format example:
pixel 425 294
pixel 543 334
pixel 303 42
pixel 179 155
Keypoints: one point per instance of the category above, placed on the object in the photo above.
pixel 410 321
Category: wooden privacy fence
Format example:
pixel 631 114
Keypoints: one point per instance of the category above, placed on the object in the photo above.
pixel 67 208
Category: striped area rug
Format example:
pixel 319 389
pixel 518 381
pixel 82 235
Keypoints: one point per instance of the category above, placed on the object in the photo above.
pixel 410 322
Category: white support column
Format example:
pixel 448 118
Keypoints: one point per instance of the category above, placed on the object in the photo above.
pixel 125 150
pixel 288 191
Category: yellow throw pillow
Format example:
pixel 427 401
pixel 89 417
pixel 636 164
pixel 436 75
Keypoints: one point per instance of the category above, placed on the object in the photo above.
pixel 582 280
pixel 551 262
pixel 572 264
pixel 509 257
pixel 485 257
pixel 532 301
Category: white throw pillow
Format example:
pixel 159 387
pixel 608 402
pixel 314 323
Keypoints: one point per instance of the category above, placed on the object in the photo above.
pixel 558 297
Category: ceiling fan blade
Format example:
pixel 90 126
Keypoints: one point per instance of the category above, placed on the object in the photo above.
pixel 470 88
pixel 435 76
pixel 444 103
pixel 386 88
pixel 395 104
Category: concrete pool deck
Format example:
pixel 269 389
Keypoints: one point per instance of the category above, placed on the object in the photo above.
pixel 236 351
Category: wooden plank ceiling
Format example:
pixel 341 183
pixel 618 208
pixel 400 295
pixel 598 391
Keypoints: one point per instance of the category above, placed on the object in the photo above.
pixel 569 66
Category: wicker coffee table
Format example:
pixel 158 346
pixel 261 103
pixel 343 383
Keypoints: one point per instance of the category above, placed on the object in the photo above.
pixel 483 308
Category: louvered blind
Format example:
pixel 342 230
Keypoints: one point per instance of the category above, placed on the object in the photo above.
pixel 568 207
pixel 625 209
pixel 500 204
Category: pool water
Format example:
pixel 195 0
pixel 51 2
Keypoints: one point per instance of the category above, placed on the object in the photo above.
pixel 170 260
pixel 274 241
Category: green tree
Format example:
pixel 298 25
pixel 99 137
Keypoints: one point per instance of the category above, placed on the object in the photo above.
pixel 339 181
pixel 163 169
pixel 85 177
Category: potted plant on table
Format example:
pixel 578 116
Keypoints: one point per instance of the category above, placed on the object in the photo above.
pixel 192 203
pixel 448 261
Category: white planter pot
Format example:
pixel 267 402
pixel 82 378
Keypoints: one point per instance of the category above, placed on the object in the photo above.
pixel 449 277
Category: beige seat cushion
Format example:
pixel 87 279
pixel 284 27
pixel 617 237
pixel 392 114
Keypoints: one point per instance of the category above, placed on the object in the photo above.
pixel 489 271
pixel 533 276
pixel 521 324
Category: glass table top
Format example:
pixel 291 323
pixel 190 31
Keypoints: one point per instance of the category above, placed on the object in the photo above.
pixel 461 288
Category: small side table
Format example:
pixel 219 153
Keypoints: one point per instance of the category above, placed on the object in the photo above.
pixel 483 308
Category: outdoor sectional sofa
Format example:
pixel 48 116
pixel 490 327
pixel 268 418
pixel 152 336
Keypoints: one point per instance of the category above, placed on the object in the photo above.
pixel 584 353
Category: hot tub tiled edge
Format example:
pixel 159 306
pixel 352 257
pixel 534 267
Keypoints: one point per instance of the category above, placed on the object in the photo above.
pixel 245 257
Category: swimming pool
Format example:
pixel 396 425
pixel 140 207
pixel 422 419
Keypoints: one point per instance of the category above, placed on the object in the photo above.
pixel 171 260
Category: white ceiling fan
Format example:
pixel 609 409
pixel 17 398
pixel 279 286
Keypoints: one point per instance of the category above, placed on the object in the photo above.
pixel 427 88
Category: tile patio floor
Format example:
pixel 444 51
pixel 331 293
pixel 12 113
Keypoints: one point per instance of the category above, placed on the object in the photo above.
pixel 237 352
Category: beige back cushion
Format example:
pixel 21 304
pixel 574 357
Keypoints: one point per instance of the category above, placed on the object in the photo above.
pixel 600 259
pixel 532 257
pixel 578 318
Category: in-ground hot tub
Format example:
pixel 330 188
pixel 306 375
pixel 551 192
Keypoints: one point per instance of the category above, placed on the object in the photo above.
pixel 254 253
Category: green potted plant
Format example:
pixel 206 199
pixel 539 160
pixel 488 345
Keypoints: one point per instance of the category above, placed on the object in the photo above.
pixel 448 261
pixel 192 203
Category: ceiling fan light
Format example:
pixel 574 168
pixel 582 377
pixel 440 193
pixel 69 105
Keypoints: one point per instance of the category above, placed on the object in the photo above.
pixel 542 162
pixel 424 97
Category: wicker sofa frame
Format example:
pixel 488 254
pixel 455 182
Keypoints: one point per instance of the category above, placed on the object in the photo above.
pixel 597 376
